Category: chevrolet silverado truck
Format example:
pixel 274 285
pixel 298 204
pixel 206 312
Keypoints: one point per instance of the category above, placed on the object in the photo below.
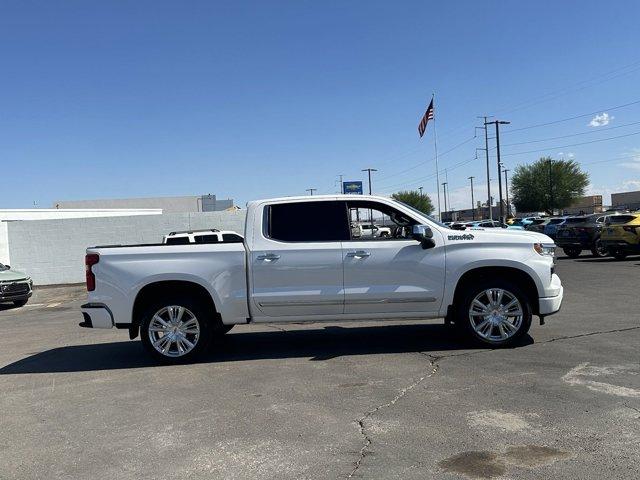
pixel 299 261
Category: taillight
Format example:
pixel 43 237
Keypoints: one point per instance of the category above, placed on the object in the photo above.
pixel 629 229
pixel 90 260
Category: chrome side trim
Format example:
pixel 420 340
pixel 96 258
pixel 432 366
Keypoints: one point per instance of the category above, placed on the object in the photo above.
pixel 298 303
pixel 391 300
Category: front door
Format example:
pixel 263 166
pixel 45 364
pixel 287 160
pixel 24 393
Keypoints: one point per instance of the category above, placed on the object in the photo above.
pixel 391 273
pixel 296 264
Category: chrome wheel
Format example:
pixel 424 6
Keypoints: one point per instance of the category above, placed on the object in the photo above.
pixel 174 331
pixel 496 314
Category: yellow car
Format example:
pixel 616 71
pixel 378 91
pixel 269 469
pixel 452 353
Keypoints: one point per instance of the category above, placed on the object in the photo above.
pixel 621 235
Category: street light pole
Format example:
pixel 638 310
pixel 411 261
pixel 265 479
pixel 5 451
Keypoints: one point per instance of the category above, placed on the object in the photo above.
pixel 473 208
pixel 311 190
pixel 420 188
pixel 444 192
pixel 369 170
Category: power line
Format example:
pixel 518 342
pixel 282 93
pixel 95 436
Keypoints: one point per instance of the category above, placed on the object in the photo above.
pixel 571 145
pixel 429 160
pixel 573 118
pixel 598 130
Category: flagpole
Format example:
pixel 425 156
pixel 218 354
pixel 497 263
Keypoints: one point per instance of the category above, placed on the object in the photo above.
pixel 435 146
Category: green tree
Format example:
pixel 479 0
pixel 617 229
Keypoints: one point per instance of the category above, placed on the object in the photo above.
pixel 415 199
pixel 547 185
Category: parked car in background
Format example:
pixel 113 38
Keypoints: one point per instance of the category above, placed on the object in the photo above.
pixel 621 235
pixel 551 228
pixel 15 287
pixel 580 233
pixel 538 225
pixel 369 230
pixel 211 235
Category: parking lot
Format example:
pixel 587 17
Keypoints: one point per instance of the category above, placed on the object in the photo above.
pixel 373 400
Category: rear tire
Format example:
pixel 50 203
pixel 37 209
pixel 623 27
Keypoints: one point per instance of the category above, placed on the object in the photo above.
pixel 599 250
pixel 176 329
pixel 505 317
pixel 572 252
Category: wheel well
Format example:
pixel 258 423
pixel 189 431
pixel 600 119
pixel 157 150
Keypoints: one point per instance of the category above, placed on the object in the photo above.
pixel 153 291
pixel 520 278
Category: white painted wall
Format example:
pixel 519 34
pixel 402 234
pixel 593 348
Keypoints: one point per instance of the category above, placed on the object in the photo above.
pixel 4 244
pixel 52 251
pixel 54 213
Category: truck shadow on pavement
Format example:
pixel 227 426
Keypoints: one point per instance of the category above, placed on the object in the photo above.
pixel 318 344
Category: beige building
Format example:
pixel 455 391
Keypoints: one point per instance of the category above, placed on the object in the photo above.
pixel 585 205
pixel 630 200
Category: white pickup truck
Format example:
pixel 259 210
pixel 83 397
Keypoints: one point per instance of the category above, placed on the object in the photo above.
pixel 299 262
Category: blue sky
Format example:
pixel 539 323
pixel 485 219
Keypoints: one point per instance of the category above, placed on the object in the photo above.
pixel 255 99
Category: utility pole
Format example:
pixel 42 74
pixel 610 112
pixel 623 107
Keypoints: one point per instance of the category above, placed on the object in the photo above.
pixel 506 190
pixel 473 208
pixel 497 123
pixel 369 170
pixel 550 186
pixel 444 192
pixel 311 190
pixel 486 152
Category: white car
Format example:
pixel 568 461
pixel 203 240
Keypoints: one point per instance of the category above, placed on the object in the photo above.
pixel 369 230
pixel 489 283
pixel 201 236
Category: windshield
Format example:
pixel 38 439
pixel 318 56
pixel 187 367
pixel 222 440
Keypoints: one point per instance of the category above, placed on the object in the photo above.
pixel 576 220
pixel 422 214
pixel 619 219
pixel 555 221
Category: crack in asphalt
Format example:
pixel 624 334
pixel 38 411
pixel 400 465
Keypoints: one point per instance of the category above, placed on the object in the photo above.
pixel 433 359
pixel 361 421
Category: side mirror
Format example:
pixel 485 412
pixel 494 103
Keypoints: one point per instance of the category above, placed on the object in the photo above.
pixel 8 267
pixel 424 235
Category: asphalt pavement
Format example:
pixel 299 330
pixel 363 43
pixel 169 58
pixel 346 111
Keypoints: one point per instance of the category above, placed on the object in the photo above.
pixel 375 400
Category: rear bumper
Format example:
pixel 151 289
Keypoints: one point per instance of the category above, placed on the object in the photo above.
pixel 96 315
pixel 583 243
pixel 621 245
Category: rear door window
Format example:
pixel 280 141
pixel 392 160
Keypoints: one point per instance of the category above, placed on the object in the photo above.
pixel 308 222
pixel 206 238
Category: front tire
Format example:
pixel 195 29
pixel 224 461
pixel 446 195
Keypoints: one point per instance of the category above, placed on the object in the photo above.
pixel 494 312
pixel 572 252
pixel 176 329
pixel 20 303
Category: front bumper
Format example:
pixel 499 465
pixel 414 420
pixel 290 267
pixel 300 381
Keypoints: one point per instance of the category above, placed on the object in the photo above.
pixel 96 315
pixel 551 304
pixel 15 291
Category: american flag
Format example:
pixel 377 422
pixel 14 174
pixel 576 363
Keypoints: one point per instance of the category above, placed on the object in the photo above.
pixel 428 115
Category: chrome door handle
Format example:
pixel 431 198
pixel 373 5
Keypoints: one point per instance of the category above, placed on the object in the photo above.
pixel 268 257
pixel 358 254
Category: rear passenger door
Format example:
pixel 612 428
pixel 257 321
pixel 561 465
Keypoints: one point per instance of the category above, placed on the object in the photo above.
pixel 296 262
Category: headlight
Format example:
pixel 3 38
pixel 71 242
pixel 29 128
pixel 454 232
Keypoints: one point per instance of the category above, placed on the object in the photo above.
pixel 545 249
